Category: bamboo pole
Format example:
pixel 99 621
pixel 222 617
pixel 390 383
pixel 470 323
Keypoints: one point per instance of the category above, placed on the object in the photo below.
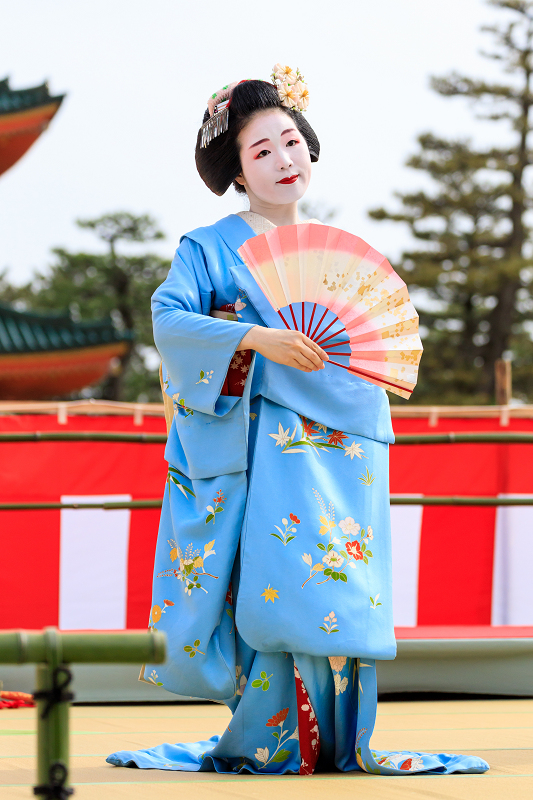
pixel 487 437
pixel 395 500
pixel 52 652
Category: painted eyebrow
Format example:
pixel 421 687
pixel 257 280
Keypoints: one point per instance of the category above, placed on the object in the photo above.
pixel 267 140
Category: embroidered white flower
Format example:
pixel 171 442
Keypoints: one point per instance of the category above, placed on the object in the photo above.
pixel 354 450
pixel 308 559
pixel 333 559
pixel 369 534
pixel 349 526
pixel 340 685
pixel 282 437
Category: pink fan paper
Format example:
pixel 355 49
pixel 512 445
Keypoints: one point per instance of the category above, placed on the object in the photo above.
pixel 308 270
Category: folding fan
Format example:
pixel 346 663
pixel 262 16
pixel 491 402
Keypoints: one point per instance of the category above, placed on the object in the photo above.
pixel 344 296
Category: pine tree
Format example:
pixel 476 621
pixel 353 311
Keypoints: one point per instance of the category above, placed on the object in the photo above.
pixel 474 266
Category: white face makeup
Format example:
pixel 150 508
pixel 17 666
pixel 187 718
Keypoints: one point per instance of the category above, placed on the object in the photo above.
pixel 276 165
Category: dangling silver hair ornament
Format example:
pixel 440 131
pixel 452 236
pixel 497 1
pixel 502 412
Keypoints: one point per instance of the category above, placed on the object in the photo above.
pixel 218 107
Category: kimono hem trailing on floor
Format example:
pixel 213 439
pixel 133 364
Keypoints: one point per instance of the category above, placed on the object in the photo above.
pixel 272 575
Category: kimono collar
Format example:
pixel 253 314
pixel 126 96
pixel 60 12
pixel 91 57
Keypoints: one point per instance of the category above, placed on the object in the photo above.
pixel 235 231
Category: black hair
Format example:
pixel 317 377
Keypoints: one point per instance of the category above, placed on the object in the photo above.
pixel 220 163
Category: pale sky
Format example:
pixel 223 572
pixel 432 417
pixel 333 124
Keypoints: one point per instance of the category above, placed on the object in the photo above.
pixel 137 75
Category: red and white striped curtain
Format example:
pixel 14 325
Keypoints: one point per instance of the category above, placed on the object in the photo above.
pixel 92 569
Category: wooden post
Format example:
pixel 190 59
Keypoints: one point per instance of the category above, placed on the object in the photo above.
pixel 503 382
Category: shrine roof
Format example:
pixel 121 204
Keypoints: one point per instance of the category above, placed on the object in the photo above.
pixel 12 100
pixel 32 332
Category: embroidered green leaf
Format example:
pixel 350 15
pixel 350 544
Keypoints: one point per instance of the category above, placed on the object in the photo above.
pixel 321 546
pixel 218 508
pixel 365 559
pixel 330 547
pixel 277 537
pixel 328 571
pixel 266 686
pixel 290 538
pixel 321 627
pixel 197 642
pixel 187 648
pixel 335 576
pixel 363 547
pixel 372 600
pixel 191 655
pixel 263 675
pixel 229 612
pixel 283 755
pixel 369 553
pixel 275 734
pixel 202 374
pixel 343 577
pixel 257 684
pixel 344 554
pixel 209 518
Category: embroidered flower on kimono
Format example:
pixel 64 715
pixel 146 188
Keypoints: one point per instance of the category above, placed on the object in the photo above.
pixel 333 559
pixel 349 526
pixel 278 718
pixel 282 437
pixel 369 534
pixel 262 754
pixel 354 549
pixel 340 685
pixel 337 662
pixel 294 519
pixel 198 562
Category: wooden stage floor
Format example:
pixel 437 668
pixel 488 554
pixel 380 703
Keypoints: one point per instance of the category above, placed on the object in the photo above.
pixel 500 731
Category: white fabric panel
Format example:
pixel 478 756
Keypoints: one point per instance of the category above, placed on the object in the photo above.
pixel 512 583
pixel 406 525
pixel 93 573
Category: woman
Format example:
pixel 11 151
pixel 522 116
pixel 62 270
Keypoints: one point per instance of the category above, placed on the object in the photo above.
pixel 274 540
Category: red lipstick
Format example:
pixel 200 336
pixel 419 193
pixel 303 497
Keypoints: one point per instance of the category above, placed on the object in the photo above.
pixel 292 179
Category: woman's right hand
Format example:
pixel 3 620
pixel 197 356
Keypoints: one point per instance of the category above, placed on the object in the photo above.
pixel 292 348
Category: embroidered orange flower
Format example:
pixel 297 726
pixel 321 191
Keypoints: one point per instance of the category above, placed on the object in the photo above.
pixel 294 519
pixel 278 718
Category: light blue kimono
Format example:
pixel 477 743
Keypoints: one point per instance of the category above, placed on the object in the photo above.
pixel 272 573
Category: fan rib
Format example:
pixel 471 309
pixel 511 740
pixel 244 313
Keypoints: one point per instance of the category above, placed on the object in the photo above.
pixel 331 336
pixel 319 324
pixel 311 320
pixel 293 318
pixel 366 375
pixel 284 320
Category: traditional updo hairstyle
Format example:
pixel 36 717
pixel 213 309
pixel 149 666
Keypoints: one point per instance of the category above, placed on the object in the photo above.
pixel 220 163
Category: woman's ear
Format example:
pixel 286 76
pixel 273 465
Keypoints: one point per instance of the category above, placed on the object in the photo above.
pixel 240 179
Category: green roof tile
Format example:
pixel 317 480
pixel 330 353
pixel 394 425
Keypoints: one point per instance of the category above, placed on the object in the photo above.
pixel 32 332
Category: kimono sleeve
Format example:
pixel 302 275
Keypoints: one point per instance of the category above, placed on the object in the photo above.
pixel 196 349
